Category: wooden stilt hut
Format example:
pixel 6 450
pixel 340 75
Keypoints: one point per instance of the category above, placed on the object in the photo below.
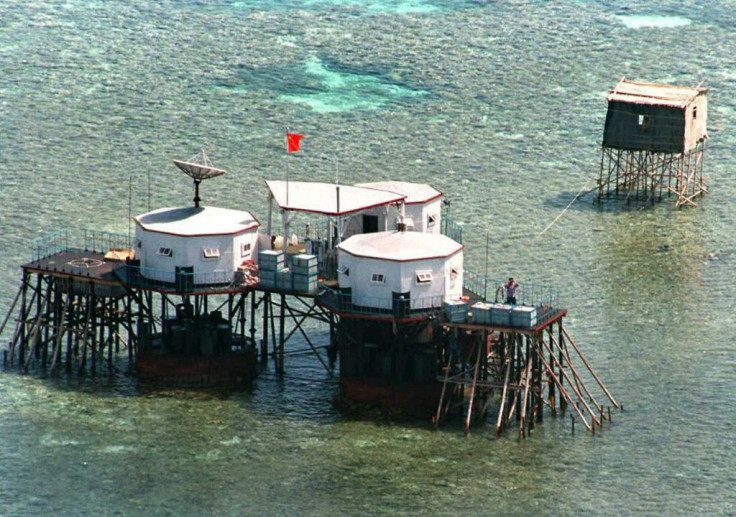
pixel 654 143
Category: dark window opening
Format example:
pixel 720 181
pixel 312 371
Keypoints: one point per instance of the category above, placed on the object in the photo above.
pixel 370 223
pixel 378 278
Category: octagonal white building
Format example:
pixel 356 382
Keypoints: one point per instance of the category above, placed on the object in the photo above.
pixel 421 269
pixel 205 243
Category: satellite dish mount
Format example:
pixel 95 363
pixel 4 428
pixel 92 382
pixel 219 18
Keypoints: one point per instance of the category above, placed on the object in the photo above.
pixel 198 167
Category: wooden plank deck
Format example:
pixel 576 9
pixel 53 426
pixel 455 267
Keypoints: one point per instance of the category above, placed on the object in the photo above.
pixel 79 265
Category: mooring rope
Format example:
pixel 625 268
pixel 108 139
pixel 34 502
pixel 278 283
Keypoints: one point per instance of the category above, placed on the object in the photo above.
pixel 554 221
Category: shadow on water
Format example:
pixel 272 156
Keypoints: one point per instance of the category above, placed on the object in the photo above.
pixel 306 396
pixel 563 199
pixel 120 381
pixel 587 203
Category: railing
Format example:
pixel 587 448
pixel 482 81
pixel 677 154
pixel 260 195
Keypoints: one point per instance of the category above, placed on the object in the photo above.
pixel 103 242
pixel 49 244
pixel 493 289
pixel 179 282
pixel 62 240
pixel 545 298
pixel 400 308
pixel 532 295
pixel 452 229
pixel 476 283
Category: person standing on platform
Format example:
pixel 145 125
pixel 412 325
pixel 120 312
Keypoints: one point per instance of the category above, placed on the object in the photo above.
pixel 511 291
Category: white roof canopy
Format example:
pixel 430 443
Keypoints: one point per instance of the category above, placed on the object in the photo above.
pixel 414 192
pixel 322 198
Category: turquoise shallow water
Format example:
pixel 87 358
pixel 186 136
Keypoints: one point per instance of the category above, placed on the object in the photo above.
pixel 499 105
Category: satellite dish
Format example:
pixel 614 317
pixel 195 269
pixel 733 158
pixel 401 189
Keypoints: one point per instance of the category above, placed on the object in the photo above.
pixel 198 167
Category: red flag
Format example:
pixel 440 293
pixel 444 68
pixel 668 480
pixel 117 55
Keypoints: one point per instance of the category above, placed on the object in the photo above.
pixel 292 142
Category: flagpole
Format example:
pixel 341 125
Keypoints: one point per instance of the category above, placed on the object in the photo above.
pixel 485 283
pixel 292 146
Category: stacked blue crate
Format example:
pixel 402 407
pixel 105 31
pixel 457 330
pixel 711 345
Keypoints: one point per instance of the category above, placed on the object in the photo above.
pixel 267 278
pixel 270 263
pixel 284 279
pixel 305 272
pixel 524 317
pixel 482 313
pixel 500 314
pixel 456 311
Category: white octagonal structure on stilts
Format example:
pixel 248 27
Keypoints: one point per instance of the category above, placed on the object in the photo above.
pixel 203 244
pixel 410 270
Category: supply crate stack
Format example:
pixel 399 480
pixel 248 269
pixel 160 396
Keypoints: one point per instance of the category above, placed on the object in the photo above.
pixel 504 315
pixel 305 271
pixel 271 268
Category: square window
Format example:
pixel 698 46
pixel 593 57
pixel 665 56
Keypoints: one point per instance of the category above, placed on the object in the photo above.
pixel 378 278
pixel 245 249
pixel 211 253
pixel 344 270
pixel 165 252
pixel 432 220
pixel 424 277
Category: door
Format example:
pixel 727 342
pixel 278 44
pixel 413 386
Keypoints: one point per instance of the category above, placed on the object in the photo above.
pixel 370 223
pixel 184 278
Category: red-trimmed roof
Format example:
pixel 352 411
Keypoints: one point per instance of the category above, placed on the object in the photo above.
pixel 400 246
pixel 193 221
pixel 415 192
pixel 328 198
